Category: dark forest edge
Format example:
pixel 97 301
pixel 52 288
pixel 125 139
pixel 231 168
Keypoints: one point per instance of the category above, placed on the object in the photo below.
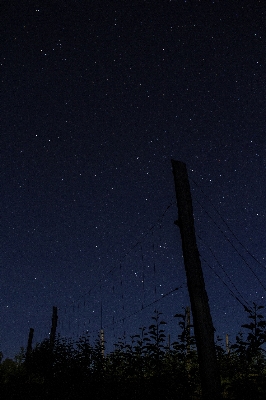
pixel 145 367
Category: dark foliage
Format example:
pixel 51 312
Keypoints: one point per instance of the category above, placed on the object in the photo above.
pixel 148 367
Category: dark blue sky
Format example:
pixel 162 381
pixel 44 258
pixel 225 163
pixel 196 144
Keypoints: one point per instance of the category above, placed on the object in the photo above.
pixel 97 97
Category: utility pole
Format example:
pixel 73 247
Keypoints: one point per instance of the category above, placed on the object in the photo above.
pixel 102 342
pixel 187 327
pixel 227 344
pixel 29 346
pixel 54 325
pixel 202 320
pixel 102 331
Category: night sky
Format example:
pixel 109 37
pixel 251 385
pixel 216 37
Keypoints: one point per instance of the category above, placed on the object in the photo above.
pixel 97 97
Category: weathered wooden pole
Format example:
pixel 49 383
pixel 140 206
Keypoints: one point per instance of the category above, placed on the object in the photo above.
pixel 102 342
pixel 187 327
pixel 227 344
pixel 54 325
pixel 102 331
pixel 29 345
pixel 202 320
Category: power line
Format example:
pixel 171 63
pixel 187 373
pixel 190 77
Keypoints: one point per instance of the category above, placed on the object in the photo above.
pixel 236 250
pixel 231 292
pixel 220 265
pixel 228 227
pixel 144 307
pixel 137 243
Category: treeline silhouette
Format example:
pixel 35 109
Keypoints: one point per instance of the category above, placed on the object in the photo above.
pixel 145 367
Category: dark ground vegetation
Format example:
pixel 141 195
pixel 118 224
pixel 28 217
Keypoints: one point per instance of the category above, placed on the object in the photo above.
pixel 146 367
